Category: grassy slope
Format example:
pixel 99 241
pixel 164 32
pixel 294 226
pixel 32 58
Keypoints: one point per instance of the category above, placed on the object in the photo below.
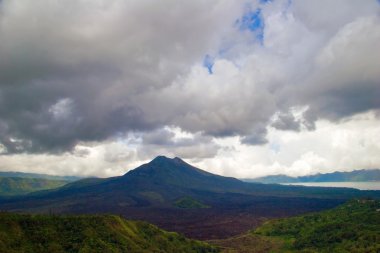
pixel 189 203
pixel 352 227
pixel 17 185
pixel 95 233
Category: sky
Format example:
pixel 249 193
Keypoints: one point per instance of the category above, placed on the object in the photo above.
pixel 235 87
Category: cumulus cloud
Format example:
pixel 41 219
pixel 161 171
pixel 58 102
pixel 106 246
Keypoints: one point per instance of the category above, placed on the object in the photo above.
pixel 90 73
pixel 345 146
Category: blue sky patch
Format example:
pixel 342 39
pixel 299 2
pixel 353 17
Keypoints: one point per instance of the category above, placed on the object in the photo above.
pixel 208 62
pixel 265 1
pixel 253 21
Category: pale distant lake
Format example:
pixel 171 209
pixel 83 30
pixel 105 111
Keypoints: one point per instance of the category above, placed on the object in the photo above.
pixel 357 185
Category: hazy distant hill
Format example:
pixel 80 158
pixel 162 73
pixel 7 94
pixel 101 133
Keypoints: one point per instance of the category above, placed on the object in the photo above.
pixel 89 234
pixel 17 185
pixel 353 176
pixel 35 175
pixel 156 192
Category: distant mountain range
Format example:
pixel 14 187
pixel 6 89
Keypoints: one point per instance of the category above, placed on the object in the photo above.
pixel 35 175
pixel 353 176
pixel 173 194
pixel 19 183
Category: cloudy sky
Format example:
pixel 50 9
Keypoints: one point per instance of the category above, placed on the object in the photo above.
pixel 236 87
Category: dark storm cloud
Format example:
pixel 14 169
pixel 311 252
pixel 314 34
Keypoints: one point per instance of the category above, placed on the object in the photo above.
pixel 286 121
pixel 258 137
pixel 165 141
pixel 159 137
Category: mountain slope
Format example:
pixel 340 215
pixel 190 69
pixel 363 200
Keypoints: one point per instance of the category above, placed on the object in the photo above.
pixel 353 176
pixel 90 233
pixel 16 185
pixel 177 173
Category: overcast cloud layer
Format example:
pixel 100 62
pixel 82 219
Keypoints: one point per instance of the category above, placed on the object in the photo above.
pixel 95 87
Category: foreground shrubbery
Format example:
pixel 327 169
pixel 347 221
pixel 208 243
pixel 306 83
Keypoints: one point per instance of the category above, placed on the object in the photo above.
pixel 88 233
pixel 352 227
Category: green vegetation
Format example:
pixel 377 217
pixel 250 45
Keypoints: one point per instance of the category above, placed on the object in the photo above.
pixel 352 227
pixel 152 196
pixel 189 203
pixel 16 185
pixel 249 243
pixel 90 233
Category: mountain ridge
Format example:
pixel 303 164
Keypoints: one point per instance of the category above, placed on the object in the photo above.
pixel 10 186
pixel 37 175
pixel 363 175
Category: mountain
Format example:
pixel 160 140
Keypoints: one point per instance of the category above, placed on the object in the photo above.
pixel 273 179
pixel 16 185
pixel 353 176
pixel 89 233
pixel 35 175
pixel 351 227
pixel 159 192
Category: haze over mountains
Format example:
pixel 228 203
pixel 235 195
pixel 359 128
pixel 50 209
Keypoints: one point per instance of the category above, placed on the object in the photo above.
pixel 36 175
pixel 151 192
pixel 16 183
pixel 353 176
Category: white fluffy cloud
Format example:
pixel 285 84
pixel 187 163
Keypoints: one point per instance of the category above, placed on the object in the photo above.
pixel 345 146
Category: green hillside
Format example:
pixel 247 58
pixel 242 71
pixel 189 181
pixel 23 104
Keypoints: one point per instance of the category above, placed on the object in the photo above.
pixel 189 203
pixel 16 185
pixel 352 227
pixel 90 233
